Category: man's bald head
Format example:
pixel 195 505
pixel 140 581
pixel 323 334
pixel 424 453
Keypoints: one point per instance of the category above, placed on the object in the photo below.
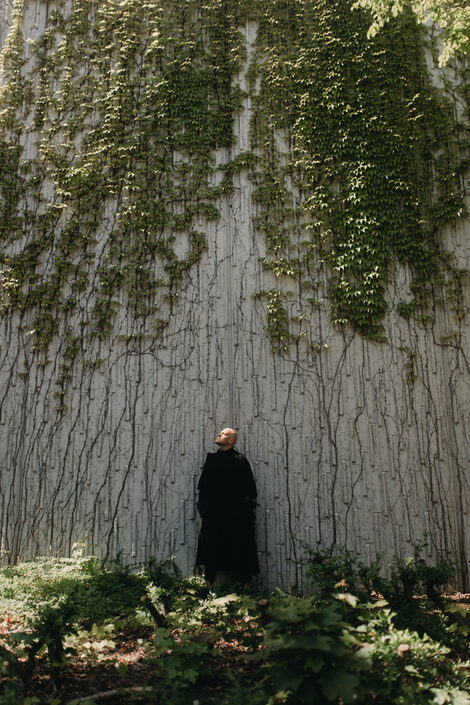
pixel 226 438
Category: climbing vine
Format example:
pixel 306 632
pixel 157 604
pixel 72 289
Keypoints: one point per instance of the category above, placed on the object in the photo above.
pixel 452 18
pixel 353 157
pixel 358 164
pixel 129 102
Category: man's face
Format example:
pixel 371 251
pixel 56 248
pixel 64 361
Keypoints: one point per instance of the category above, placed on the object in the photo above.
pixel 226 438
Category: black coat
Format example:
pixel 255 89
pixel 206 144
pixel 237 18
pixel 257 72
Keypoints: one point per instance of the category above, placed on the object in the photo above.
pixel 227 494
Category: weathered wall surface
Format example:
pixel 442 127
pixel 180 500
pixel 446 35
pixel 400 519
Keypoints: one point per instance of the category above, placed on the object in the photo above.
pixel 5 19
pixel 352 442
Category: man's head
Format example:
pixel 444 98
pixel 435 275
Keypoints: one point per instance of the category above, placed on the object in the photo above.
pixel 226 438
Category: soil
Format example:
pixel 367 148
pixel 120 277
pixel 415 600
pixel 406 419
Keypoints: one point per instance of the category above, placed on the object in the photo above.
pixel 117 673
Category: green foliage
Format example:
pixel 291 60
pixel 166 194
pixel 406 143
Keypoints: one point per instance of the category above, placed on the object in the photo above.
pixel 409 576
pixel 357 164
pixel 129 101
pixel 412 575
pixel 353 156
pixel 326 568
pixel 412 668
pixel 180 665
pixel 342 651
pixel 312 652
pixel 277 319
pixel 70 605
pixel 97 592
pixel 45 633
pixel 169 590
pixel 109 592
pixel 93 643
pixel 405 579
pixel 231 617
pixel 451 16
pixel 232 648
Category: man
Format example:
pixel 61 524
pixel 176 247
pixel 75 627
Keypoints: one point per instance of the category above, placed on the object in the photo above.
pixel 227 494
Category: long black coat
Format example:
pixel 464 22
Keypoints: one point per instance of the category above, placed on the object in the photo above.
pixel 227 494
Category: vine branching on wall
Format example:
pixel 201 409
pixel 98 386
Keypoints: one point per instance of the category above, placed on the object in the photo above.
pixel 358 163
pixel 129 103
pixel 354 160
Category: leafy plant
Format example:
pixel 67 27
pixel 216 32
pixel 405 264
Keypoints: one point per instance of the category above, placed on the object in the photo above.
pixel 326 568
pixel 312 652
pixel 413 587
pixel 265 649
pixel 408 667
pixel 340 650
pixel 412 575
pixel 97 591
pixel 179 664
pixel 47 632
pixel 131 122
pixel 451 17
pixel 408 576
pixel 349 174
pixel 95 644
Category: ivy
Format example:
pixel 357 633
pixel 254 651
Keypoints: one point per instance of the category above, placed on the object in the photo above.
pixel 277 319
pixel 366 170
pixel 353 155
pixel 130 101
pixel 452 17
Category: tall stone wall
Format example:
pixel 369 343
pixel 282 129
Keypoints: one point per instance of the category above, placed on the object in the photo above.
pixel 351 442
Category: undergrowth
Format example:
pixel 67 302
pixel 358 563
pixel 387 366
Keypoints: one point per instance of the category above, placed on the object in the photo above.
pixel 414 589
pixel 65 615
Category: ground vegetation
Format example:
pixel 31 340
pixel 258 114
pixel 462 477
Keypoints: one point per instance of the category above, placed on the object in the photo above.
pixel 77 631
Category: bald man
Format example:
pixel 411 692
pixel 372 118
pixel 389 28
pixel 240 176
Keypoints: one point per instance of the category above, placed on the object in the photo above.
pixel 227 494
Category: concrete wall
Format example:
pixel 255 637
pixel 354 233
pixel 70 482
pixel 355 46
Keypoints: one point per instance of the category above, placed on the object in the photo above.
pixel 348 443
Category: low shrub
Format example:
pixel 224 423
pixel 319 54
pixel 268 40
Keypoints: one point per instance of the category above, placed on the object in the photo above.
pixel 414 588
pixel 312 653
pixel 179 665
pixel 98 591
pixel 342 651
pixel 409 576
